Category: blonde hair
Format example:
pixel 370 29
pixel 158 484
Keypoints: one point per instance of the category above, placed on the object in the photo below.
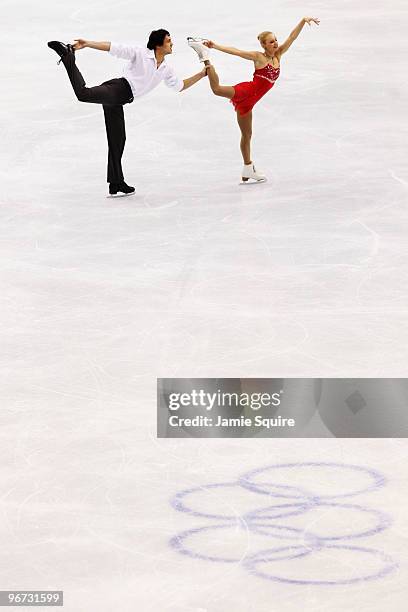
pixel 263 36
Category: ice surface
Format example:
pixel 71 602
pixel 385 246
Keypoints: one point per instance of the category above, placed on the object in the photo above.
pixel 194 276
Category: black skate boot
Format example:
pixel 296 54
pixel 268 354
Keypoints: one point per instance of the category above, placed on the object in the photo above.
pixel 60 48
pixel 120 189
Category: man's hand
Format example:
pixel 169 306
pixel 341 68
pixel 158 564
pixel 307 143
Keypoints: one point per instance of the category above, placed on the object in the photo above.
pixel 79 43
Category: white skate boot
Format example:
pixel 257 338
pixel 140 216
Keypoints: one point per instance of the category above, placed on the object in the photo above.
pixel 250 175
pixel 202 51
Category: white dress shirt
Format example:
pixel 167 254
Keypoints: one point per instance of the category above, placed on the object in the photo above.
pixel 142 72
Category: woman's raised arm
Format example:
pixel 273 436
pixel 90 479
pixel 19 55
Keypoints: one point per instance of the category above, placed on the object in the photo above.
pixel 295 33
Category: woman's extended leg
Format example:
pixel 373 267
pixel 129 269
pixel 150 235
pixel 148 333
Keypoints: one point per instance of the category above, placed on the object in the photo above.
pixel 245 125
pixel 225 91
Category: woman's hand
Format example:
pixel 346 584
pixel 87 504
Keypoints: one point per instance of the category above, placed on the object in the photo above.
pixel 310 20
pixel 79 43
pixel 209 43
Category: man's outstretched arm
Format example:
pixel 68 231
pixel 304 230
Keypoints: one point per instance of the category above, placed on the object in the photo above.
pixel 127 52
pixel 80 43
pixel 194 79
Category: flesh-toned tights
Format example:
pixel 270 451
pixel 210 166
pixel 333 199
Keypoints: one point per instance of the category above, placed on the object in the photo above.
pixel 244 121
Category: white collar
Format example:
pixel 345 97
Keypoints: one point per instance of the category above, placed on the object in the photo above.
pixel 150 54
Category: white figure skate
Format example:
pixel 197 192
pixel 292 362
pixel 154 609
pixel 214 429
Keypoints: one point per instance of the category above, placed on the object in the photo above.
pixel 197 44
pixel 251 175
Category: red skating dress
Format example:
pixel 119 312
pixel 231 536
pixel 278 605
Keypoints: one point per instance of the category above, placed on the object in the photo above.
pixel 247 94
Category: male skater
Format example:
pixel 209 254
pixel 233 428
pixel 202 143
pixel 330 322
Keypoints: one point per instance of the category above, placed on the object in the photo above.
pixel 144 71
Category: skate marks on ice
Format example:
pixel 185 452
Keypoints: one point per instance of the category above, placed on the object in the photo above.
pixel 305 532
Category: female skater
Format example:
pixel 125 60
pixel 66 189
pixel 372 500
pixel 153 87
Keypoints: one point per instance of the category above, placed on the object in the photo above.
pixel 245 95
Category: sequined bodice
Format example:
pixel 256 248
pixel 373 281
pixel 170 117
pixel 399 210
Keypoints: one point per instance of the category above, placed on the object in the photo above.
pixel 268 72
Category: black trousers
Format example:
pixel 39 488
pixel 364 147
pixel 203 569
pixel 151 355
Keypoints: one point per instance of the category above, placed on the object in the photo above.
pixel 112 95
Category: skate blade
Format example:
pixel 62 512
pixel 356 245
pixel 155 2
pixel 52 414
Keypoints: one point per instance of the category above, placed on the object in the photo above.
pixel 120 195
pixel 196 39
pixel 253 181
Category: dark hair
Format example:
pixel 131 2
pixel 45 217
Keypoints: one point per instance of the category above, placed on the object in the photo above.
pixel 156 38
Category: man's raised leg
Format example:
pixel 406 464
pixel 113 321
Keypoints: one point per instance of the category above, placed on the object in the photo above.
pixel 112 95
